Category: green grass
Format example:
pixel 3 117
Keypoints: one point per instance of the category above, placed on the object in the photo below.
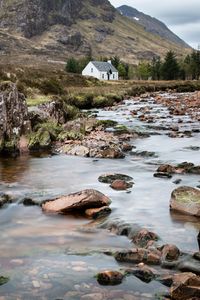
pixel 37 100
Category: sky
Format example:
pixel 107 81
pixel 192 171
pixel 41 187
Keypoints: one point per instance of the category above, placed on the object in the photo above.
pixel 181 16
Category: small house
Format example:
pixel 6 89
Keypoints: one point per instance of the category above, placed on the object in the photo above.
pixel 101 70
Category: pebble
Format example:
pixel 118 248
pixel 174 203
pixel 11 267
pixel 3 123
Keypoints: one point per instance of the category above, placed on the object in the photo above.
pixel 36 284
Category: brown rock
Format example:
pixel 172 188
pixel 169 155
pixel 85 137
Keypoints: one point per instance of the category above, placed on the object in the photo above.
pixel 77 202
pixel 186 200
pixel 110 277
pixel 170 252
pixel 120 185
pixel 185 286
pixel 166 169
pixel 143 237
pixel 96 213
pixel 139 255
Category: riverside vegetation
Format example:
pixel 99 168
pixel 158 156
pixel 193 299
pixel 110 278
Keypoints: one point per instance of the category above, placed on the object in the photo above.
pixel 69 114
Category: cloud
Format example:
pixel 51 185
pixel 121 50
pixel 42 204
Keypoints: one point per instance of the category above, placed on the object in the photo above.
pixel 181 16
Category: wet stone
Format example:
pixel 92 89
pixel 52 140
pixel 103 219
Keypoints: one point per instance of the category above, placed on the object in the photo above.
pixel 109 178
pixel 110 278
pixel 120 185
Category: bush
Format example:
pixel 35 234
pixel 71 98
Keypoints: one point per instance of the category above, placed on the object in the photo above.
pixel 51 86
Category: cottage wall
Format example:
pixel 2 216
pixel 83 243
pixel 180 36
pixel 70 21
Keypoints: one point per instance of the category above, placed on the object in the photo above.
pixel 91 70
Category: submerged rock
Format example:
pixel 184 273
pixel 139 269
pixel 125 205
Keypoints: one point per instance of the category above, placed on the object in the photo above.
pixel 186 200
pixel 77 202
pixel 110 277
pixel 4 199
pixel 3 280
pixel 109 178
pixel 96 213
pixel 170 252
pixel 143 272
pixel 120 185
pixel 139 255
pixel 143 237
pixel 185 286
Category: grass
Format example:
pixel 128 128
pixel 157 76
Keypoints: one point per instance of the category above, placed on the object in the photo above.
pixel 37 100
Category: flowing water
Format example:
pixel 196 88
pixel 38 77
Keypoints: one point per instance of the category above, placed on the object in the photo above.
pixel 57 257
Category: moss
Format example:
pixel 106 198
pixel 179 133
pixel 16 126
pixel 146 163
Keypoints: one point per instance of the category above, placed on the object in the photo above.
pixel 106 123
pixel 39 140
pixel 69 135
pixel 3 280
pixel 187 195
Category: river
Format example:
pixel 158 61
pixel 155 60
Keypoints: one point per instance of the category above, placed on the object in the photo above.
pixel 57 257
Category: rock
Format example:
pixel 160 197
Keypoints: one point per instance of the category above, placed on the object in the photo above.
pixel 4 199
pixel 139 255
pixel 29 202
pixel 79 150
pixel 170 252
pixel 198 239
pixel 143 237
pixel 96 213
pixel 144 153
pixel 142 272
pixel 186 200
pixel 13 117
pixel 77 202
pixel 166 280
pixel 185 286
pixel 166 169
pixel 40 140
pixel 110 277
pixel 3 280
pixel 92 296
pixel 196 255
pixel 120 185
pixel 189 266
pixel 177 181
pixel 162 175
pixel 109 178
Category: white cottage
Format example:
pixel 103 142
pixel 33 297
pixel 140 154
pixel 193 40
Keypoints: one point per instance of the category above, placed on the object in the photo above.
pixel 101 70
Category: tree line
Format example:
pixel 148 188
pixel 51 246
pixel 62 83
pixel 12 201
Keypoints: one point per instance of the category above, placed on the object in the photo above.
pixel 168 69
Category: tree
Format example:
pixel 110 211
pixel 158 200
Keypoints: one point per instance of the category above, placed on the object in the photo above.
pixel 170 68
pixel 72 65
pixel 122 70
pixel 156 68
pixel 143 70
pixel 115 61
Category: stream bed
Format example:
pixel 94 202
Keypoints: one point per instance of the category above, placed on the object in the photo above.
pixel 57 257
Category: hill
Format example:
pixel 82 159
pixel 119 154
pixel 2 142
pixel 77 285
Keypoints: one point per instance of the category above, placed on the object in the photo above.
pixel 48 31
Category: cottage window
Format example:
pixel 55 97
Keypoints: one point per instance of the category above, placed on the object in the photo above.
pixel 91 70
pixel 102 76
pixel 113 76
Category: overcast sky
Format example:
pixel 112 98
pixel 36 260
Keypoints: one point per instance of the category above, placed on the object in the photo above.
pixel 181 16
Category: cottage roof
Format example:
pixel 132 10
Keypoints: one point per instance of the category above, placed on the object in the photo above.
pixel 104 66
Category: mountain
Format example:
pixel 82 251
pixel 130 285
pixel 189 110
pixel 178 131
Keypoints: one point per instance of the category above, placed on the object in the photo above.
pixel 151 24
pixel 42 31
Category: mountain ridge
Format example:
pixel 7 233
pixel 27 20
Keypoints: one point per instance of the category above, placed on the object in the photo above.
pixel 51 30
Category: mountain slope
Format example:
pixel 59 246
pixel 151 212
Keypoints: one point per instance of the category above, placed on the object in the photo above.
pixel 151 24
pixel 39 31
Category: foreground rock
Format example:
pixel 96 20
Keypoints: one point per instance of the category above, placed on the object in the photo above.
pixel 185 286
pixel 77 202
pixel 13 117
pixel 186 200
pixel 110 277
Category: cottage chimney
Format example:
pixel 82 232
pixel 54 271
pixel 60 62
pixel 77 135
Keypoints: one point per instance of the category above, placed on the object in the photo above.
pixel 110 62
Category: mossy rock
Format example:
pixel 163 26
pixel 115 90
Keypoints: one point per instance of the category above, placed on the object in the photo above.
pixel 110 178
pixel 69 135
pixel 3 280
pixel 40 140
pixel 106 123
pixel 186 200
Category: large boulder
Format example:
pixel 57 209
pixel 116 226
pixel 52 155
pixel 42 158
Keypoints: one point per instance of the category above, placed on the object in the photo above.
pixel 77 202
pixel 13 117
pixel 185 286
pixel 186 200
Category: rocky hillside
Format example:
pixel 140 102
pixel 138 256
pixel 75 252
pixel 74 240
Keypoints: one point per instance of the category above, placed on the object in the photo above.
pixel 38 31
pixel 151 24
